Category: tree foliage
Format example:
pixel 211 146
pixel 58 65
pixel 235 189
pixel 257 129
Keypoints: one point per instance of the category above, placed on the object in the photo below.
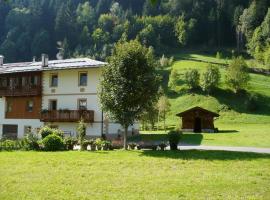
pixel 192 78
pixel 129 85
pixel 237 76
pixel 210 78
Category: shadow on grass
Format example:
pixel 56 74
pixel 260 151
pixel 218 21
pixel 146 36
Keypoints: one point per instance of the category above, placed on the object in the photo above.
pixel 192 138
pixel 204 155
pixel 227 131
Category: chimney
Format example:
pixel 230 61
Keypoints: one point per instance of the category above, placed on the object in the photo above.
pixel 1 60
pixel 44 60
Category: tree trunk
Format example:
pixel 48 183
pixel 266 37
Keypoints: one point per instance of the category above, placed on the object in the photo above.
pixel 164 116
pixel 158 121
pixel 125 137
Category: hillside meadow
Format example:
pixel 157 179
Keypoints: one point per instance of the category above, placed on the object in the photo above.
pixel 238 125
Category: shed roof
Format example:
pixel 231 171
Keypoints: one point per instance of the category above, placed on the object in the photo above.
pixel 181 114
pixel 75 63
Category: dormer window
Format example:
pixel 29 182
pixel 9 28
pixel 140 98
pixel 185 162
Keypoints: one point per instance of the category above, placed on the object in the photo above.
pixel 54 80
pixel 83 79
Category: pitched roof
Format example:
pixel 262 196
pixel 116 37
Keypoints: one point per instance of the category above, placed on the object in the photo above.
pixel 75 63
pixel 197 108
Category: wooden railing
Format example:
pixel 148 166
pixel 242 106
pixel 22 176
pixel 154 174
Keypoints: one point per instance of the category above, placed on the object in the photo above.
pixel 20 91
pixel 67 116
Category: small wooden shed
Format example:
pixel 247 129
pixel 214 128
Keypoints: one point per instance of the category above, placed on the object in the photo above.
pixel 198 120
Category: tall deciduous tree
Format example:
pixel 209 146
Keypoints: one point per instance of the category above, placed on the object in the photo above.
pixel 210 78
pixel 129 85
pixel 163 106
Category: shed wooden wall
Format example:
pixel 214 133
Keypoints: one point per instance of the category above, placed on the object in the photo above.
pixel 188 120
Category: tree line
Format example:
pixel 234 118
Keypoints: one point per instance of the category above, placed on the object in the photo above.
pixel 70 28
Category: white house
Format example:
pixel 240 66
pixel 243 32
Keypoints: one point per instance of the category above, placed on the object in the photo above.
pixel 56 93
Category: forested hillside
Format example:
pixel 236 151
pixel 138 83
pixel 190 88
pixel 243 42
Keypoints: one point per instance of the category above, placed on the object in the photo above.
pixel 78 27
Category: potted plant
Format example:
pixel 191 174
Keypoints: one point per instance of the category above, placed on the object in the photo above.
pixel 98 143
pixel 106 145
pixel 92 145
pixel 85 144
pixel 132 145
pixel 174 139
pixel 69 143
pixel 162 146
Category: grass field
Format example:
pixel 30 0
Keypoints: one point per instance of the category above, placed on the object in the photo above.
pixel 134 175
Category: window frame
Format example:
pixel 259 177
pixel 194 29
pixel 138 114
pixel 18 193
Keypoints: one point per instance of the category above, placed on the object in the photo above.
pixel 51 79
pixel 79 78
pixel 50 104
pixel 27 106
pixel 78 103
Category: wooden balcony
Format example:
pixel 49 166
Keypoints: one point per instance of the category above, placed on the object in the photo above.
pixel 67 116
pixel 20 91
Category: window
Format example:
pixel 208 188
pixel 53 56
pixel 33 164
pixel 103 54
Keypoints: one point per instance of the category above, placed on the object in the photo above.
pixel 82 79
pixel 27 130
pixel 53 105
pixel 54 80
pixel 30 106
pixel 9 106
pixel 82 104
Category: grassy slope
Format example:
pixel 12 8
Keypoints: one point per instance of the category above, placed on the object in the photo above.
pixel 248 128
pixel 134 175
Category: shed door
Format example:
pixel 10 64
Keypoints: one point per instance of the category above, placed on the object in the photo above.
pixel 10 131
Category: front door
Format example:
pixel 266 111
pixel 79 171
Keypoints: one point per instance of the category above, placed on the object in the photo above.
pixel 197 125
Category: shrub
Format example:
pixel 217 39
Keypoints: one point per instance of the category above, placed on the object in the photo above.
pixel 53 142
pixel 58 132
pixel 30 142
pixel 10 145
pixel 192 78
pixel 45 131
pixel 210 78
pixel 174 138
pixel 165 62
pixel 98 143
pixel 237 76
pixel 69 143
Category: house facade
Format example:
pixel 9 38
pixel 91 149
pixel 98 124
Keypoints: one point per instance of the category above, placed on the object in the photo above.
pixel 56 93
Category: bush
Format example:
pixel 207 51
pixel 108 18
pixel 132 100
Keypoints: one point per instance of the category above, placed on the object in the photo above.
pixel 210 78
pixel 58 132
pixel 107 145
pixel 99 143
pixel 45 131
pixel 192 78
pixel 165 62
pixel 69 143
pixel 132 145
pixel 237 76
pixel 10 145
pixel 81 132
pixel 53 142
pixel 30 142
pixel 174 138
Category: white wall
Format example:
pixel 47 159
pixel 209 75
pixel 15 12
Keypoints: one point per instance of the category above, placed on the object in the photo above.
pixel 67 94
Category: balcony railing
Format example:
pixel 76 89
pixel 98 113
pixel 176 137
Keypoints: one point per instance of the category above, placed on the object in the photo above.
pixel 67 116
pixel 20 91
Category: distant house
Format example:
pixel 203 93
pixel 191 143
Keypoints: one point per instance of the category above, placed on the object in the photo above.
pixel 198 120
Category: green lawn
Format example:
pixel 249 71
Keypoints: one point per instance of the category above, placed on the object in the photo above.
pixel 134 175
